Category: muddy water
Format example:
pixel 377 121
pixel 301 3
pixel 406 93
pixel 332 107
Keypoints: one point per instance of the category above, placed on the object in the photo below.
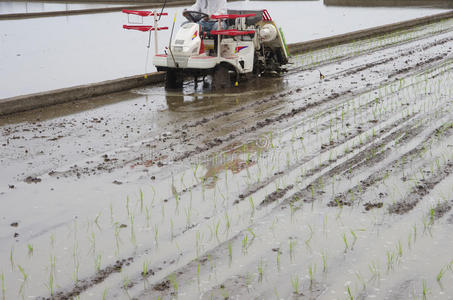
pixel 50 53
pixel 293 187
pixel 8 7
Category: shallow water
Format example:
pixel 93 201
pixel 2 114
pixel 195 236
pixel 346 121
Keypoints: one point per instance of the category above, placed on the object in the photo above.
pixel 14 7
pixel 50 53
pixel 249 169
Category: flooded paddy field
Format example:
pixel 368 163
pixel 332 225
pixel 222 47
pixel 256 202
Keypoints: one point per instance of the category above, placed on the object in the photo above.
pixel 11 7
pixel 296 187
pixel 82 49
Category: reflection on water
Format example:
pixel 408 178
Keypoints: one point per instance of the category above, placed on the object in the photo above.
pixel 391 3
pixel 203 98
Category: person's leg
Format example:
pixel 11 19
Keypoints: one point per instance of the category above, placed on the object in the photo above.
pixel 206 26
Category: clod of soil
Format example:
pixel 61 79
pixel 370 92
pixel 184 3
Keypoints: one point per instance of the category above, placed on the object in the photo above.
pixel 97 278
pixel 14 224
pixel 164 285
pixel 31 179
pixel 340 203
pixel 440 210
pixel 370 205
pixel 278 194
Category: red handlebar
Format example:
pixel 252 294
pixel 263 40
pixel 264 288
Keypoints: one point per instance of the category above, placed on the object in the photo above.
pixel 143 27
pixel 143 13
pixel 233 16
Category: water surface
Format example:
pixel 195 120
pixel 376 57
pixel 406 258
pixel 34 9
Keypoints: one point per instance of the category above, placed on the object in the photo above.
pixel 56 52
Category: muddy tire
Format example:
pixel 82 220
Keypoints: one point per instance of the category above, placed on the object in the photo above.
pixel 173 80
pixel 223 77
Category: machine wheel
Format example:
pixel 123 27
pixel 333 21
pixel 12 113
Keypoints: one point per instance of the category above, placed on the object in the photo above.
pixel 174 80
pixel 223 77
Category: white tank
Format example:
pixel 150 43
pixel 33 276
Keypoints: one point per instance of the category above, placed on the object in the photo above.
pixel 187 40
pixel 268 33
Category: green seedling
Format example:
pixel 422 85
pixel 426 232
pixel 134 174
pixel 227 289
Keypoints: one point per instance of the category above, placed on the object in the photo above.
pixel 374 270
pixel 361 279
pixel 441 274
pixel 11 257
pixel 248 279
pixel 295 284
pixel 390 259
pixel 198 272
pixel 97 262
pixel 350 296
pixel 346 245
pixel 260 271
pixel 3 286
pixel 311 272
pixel 156 234
pixel 22 272
pixel 227 223
pixel 111 212
pixel 399 249
pixel 217 231
pixel 171 229
pixel 425 289
pixel 30 249
pixel 293 210
pixel 104 294
pixel 244 242
pixel 291 249
pixel 133 239
pixel 145 269
pixel 147 215
pixel 96 221
pixel 50 283
pixel 76 271
pixel 141 200
pixel 324 261
pixel 308 240
pixel 354 235
pixel 126 284
pixel 174 283
pixel 92 239
pixel 252 206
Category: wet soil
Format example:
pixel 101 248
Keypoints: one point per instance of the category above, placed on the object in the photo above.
pixel 299 186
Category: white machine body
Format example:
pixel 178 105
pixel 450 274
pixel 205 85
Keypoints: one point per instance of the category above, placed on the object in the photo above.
pixel 187 40
pixel 248 45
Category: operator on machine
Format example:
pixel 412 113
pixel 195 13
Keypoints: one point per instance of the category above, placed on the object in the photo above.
pixel 208 8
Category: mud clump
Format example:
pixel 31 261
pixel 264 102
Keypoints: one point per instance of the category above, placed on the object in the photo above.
pixel 164 285
pixel 274 196
pixel 420 191
pixel 368 206
pixel 338 202
pixel 440 210
pixel 31 179
pixel 84 284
